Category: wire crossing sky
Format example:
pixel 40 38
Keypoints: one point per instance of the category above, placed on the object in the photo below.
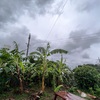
pixel 61 11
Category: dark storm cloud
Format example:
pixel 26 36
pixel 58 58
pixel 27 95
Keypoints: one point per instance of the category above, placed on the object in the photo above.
pixel 20 35
pixel 81 40
pixel 11 10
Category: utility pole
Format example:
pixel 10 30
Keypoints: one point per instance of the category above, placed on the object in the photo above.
pixel 28 45
pixel 98 61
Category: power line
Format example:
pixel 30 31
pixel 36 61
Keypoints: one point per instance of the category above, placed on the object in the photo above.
pixel 57 18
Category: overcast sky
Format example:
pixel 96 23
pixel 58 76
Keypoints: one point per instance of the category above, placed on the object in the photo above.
pixel 72 25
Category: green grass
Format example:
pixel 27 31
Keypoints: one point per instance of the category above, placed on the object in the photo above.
pixel 47 95
pixel 7 95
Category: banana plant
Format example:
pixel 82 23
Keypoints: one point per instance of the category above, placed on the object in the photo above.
pixel 60 72
pixel 63 71
pixel 4 69
pixel 17 62
pixel 42 54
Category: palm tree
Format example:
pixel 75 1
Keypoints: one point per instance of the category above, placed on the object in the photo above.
pixel 42 54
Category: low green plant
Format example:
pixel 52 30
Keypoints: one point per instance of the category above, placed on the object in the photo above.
pixel 86 77
pixel 91 91
pixel 97 92
pixel 73 89
pixel 58 88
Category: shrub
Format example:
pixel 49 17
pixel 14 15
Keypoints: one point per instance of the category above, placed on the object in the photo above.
pixel 86 77
pixel 97 92
pixel 73 89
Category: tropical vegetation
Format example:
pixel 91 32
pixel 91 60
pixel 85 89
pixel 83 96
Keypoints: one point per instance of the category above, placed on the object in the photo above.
pixel 18 74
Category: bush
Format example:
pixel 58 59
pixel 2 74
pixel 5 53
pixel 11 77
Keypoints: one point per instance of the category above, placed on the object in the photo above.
pixel 97 92
pixel 73 89
pixel 86 77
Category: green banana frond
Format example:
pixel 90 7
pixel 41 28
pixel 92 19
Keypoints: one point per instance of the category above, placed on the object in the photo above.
pixel 58 51
pixel 42 50
pixel 35 53
pixel 58 88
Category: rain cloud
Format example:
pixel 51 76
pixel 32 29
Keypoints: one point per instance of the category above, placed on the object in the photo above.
pixel 20 36
pixel 12 9
pixel 81 40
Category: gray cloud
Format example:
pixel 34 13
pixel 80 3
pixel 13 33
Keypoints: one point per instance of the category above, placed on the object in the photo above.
pixel 86 5
pixel 79 45
pixel 11 10
pixel 85 56
pixel 20 35
pixel 17 34
pixel 81 40
pixel 42 3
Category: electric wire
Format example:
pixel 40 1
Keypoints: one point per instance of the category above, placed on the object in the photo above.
pixel 57 18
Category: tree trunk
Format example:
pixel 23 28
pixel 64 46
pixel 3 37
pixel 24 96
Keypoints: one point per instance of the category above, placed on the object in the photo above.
pixel 20 80
pixel 54 81
pixel 43 85
pixel 21 84
pixel 44 72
